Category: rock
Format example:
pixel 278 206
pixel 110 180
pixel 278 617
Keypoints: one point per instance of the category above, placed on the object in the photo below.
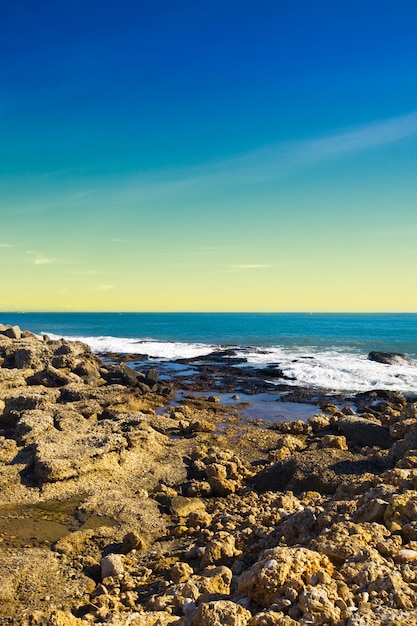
pixel 74 543
pixel 56 618
pixel 316 470
pixel 293 443
pixel 218 480
pixel 132 541
pixel 182 506
pixel 382 616
pixel 401 513
pixel 124 375
pixel 12 332
pixel 29 357
pixel 213 582
pixel 319 422
pixel 391 358
pixel 282 572
pixel 333 441
pixel 27 334
pixel 320 604
pixel 347 541
pixel 219 549
pixel 111 565
pixel 406 556
pixel 33 425
pixel 180 572
pixel 272 618
pixel 221 613
pixel 151 377
pixel 53 377
pixel 363 432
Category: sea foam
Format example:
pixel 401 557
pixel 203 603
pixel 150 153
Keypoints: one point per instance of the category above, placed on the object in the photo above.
pixel 333 370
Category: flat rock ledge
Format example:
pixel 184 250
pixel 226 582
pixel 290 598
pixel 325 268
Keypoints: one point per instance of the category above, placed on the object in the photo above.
pixel 120 505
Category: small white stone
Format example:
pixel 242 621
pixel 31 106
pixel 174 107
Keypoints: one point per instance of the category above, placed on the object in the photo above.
pixel 112 565
pixel 405 555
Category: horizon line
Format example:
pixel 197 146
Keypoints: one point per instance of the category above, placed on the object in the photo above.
pixel 187 312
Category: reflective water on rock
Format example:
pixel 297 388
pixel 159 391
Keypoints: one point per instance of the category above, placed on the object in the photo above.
pixel 31 525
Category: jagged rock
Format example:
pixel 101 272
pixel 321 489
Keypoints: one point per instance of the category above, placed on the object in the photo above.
pixel 132 541
pixel 180 572
pixel 282 572
pixel 95 450
pixel 272 618
pixel 219 549
pixel 333 441
pixel 33 425
pixel 221 613
pixel 319 422
pixel 12 332
pixel 311 470
pixel 151 377
pixel 321 604
pixel 401 513
pixel 348 541
pixel 123 375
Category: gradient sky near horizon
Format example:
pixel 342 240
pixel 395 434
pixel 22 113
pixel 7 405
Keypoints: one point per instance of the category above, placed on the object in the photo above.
pixel 208 156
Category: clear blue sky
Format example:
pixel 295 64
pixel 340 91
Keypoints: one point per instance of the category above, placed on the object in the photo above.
pixel 208 155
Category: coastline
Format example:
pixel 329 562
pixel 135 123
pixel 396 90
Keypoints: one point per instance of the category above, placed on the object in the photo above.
pixel 147 499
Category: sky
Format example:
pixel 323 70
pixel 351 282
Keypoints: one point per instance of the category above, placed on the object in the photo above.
pixel 208 156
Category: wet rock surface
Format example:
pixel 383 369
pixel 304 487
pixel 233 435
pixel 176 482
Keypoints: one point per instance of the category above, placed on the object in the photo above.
pixel 125 502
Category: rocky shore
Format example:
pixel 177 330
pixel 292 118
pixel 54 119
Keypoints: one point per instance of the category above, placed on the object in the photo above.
pixel 123 503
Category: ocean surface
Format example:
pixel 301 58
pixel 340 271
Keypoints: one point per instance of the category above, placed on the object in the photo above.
pixel 325 351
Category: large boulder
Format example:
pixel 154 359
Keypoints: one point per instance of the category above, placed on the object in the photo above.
pixel 364 432
pixel 12 332
pixel 281 571
pixel 316 470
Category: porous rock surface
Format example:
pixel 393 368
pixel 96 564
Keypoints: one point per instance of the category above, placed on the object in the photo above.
pixel 118 507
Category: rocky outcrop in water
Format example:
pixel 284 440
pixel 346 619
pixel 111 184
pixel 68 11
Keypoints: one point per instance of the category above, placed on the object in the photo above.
pixel 391 358
pixel 120 506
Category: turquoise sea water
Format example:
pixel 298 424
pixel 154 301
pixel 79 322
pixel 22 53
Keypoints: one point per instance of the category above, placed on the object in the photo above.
pixel 323 350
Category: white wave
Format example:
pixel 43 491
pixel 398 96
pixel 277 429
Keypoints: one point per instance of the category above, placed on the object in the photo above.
pixel 337 370
pixel 166 350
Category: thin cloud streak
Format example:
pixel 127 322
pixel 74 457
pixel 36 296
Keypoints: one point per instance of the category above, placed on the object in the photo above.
pixel 271 162
pixel 103 287
pixel 44 260
pixel 251 266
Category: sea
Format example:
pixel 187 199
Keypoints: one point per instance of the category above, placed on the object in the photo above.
pixel 317 350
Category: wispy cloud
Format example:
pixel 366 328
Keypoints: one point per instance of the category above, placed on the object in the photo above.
pixel 251 266
pixel 357 139
pixel 103 287
pixel 277 160
pixel 267 163
pixel 6 245
pixel 241 267
pixel 43 260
